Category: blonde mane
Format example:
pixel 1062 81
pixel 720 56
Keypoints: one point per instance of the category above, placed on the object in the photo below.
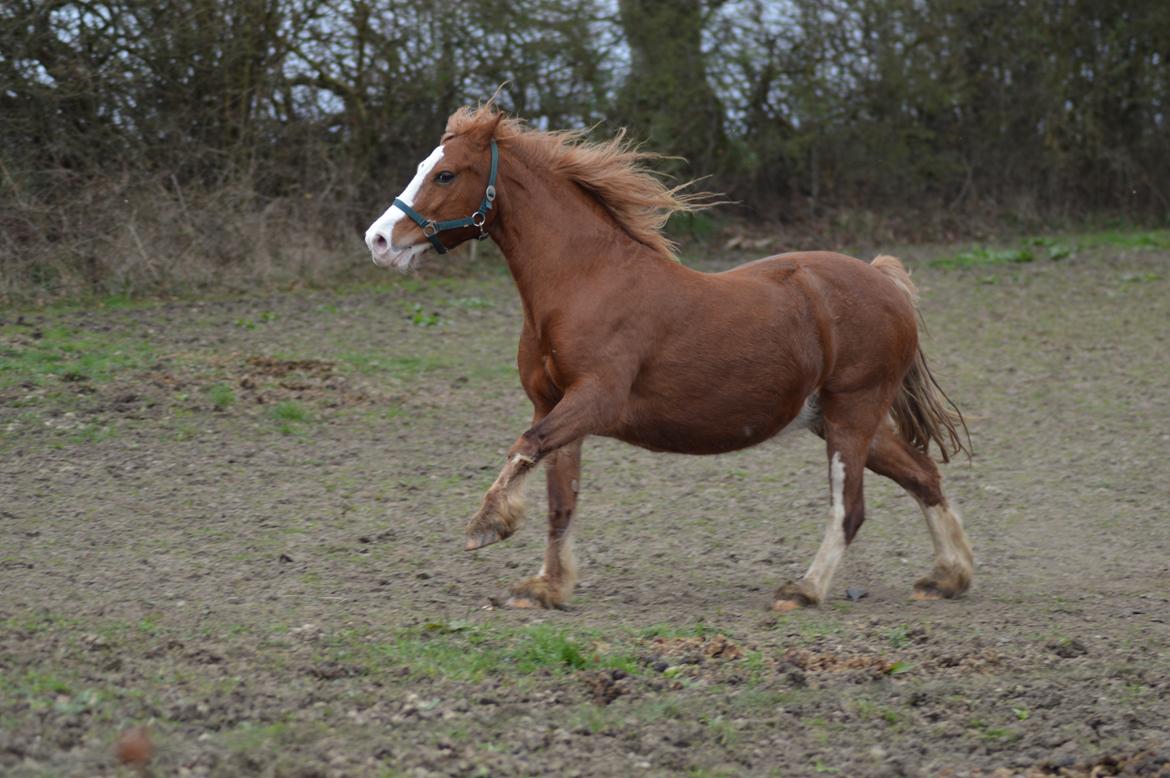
pixel 612 171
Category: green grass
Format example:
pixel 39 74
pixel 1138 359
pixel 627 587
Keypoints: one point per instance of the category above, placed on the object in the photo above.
pixel 899 636
pixel 403 367
pixel 982 256
pixel 1126 239
pixel 222 396
pixel 67 354
pixel 461 651
pixel 93 433
pixel 696 630
pixel 1140 278
pixel 1055 249
pixel 287 410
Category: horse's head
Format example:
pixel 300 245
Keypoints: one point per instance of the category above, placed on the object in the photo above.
pixel 449 200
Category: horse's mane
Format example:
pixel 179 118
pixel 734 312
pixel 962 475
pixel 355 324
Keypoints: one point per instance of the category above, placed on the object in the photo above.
pixel 612 171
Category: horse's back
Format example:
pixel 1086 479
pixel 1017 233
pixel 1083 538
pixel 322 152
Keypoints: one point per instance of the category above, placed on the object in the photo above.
pixel 827 266
pixel 861 312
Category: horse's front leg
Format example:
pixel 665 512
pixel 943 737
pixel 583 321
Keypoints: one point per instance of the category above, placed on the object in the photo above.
pixel 502 509
pixel 551 587
pixel 587 408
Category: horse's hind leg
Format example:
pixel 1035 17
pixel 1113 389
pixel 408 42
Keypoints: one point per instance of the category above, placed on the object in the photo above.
pixel 914 471
pixel 554 583
pixel 848 424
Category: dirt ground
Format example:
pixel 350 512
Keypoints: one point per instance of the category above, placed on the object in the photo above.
pixel 238 522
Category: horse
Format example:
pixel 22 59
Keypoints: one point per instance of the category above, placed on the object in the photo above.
pixel 622 340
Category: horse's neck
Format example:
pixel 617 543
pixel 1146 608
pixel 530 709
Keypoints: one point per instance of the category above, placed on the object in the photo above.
pixel 556 238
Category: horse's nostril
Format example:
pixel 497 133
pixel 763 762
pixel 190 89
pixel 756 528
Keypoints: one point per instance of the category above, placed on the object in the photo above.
pixel 380 242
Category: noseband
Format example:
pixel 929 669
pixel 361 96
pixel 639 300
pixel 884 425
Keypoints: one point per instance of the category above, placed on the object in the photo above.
pixel 432 228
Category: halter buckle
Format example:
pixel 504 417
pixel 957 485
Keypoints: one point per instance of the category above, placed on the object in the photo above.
pixel 490 194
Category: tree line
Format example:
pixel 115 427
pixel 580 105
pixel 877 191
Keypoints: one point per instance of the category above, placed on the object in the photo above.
pixel 157 141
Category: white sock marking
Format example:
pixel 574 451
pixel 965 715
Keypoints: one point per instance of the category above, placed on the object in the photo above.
pixel 946 531
pixel 820 572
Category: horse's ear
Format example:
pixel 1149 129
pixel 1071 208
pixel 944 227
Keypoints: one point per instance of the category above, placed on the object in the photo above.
pixel 486 130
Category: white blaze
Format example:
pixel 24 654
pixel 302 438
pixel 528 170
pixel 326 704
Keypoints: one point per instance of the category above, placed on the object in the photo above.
pixel 384 226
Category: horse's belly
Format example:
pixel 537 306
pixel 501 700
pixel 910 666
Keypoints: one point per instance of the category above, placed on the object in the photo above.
pixel 706 428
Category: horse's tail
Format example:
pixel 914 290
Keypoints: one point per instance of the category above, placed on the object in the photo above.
pixel 921 409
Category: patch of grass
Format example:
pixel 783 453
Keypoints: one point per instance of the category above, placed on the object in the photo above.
pixel 871 710
pixel 34 685
pixel 659 709
pixel 595 718
pixel 811 626
pixel 899 636
pixel 1002 734
pixel 754 665
pixel 403 367
pixel 30 355
pixel 185 431
pixel 1055 249
pixel 548 648
pixel 458 650
pixel 222 396
pixel 724 732
pixel 762 700
pixel 247 323
pixel 289 414
pixel 697 630
pixel 1140 278
pixel 1127 239
pixel 989 732
pixel 420 318
pixel 148 625
pixel 250 738
pixel 289 411
pixel 982 256
pixel 93 433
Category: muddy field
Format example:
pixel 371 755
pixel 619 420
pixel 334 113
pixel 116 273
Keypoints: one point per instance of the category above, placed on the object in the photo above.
pixel 238 523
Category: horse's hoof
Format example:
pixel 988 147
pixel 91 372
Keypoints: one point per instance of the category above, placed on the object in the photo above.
pixel 944 585
pixel 481 538
pixel 522 602
pixel 790 597
pixel 535 592
pixel 928 590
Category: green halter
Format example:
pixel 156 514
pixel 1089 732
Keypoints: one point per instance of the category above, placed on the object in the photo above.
pixel 432 228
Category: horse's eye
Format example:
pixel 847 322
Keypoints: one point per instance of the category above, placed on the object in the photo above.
pixel 445 177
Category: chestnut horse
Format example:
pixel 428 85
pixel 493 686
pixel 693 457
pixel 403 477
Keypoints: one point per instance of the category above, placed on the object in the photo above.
pixel 622 340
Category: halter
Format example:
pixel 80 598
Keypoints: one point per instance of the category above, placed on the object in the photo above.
pixel 432 228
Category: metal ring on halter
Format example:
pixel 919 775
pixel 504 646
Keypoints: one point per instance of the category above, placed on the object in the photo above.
pixel 478 219
pixel 430 229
